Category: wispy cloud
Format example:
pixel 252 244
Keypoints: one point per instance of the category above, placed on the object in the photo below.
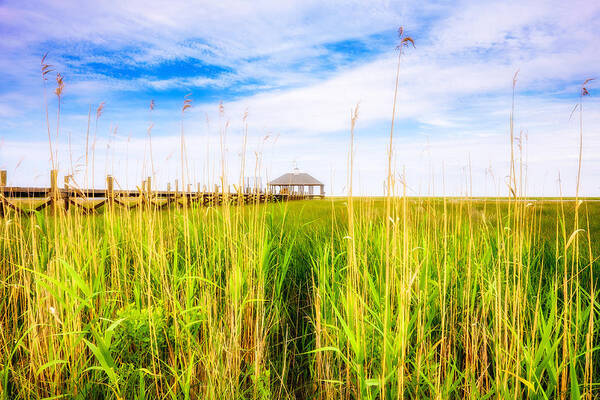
pixel 298 68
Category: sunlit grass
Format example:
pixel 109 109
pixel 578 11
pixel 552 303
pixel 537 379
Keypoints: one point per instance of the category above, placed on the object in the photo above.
pixel 264 301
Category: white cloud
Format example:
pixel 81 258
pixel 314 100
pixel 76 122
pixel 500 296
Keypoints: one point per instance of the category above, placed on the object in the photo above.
pixel 454 96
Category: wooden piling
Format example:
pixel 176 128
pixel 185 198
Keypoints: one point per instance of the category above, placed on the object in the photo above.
pixel 110 191
pixel 142 195
pixel 67 192
pixel 149 189
pixel 53 180
pixel 54 192
pixel 2 185
pixel 177 203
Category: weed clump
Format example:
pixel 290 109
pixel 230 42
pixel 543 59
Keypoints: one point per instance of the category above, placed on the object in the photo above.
pixel 139 330
pixel 142 339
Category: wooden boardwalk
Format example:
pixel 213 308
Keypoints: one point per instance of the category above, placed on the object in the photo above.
pixel 91 200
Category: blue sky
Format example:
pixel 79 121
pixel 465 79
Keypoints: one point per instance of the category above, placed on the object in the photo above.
pixel 296 69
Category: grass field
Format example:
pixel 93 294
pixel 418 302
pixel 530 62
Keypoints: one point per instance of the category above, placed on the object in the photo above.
pixel 336 298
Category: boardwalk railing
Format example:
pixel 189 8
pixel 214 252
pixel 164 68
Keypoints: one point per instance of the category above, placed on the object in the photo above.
pixel 90 200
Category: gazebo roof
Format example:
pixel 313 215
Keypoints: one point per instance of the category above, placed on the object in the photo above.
pixel 296 178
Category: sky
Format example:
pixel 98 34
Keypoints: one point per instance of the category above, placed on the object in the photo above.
pixel 273 84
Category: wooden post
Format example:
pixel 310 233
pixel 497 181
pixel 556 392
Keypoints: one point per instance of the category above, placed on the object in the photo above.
pixel 110 191
pixel 236 194
pixel 187 196
pixel 53 180
pixel 149 189
pixel 54 188
pixel 67 192
pixel 142 195
pixel 2 185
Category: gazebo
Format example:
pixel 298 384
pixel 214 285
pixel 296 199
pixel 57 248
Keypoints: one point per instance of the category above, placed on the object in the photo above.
pixel 296 182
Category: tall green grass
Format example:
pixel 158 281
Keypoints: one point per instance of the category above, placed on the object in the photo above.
pixel 484 300
pixel 143 304
pixel 476 298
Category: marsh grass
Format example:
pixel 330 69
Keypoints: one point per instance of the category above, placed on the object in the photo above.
pixel 476 300
pixel 270 301
pixel 371 298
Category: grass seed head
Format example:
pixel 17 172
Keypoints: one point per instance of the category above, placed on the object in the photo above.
pixel 46 68
pixel 405 41
pixel 584 89
pixel 187 102
pixel 99 110
pixel 60 85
